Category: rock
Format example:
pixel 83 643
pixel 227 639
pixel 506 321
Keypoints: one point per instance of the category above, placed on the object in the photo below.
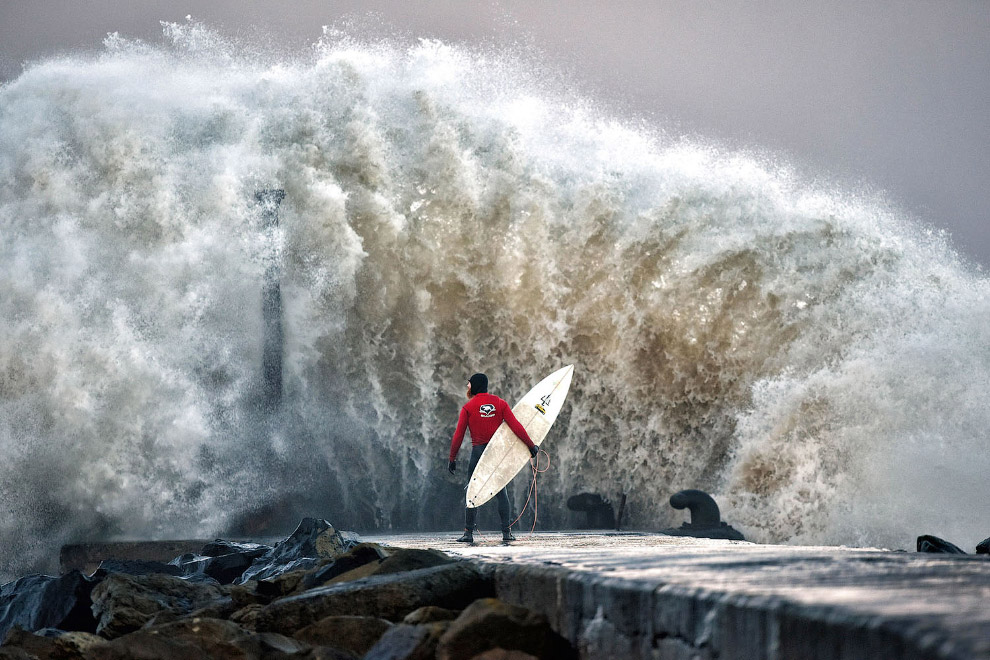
pixel 246 617
pixel 196 638
pixel 599 511
pixel 224 561
pixel 38 646
pixel 406 642
pixel 489 623
pixel 224 569
pixel 706 520
pixel 73 644
pixel 397 562
pixel 312 541
pixel 936 545
pixel 430 614
pixel 247 594
pixel 390 596
pixel 134 567
pixel 124 603
pixel 983 547
pixel 504 654
pixel 356 634
pixel 220 547
pixel 360 555
pixel 42 601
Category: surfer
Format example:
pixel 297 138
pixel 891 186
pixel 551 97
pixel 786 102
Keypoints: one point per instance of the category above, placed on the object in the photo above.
pixel 483 414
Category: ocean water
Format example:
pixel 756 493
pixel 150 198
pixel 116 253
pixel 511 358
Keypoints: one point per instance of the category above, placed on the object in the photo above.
pixel 811 357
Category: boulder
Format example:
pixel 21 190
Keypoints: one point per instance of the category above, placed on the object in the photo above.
pixel 934 544
pixel 430 614
pixel 224 569
pixel 360 555
pixel 397 562
pixel 504 654
pixel 197 638
pixel 983 547
pixel 390 596
pixel 356 634
pixel 312 541
pixel 35 645
pixel 489 623
pixel 247 616
pixel 42 601
pixel 124 603
pixel 134 567
pixel 407 642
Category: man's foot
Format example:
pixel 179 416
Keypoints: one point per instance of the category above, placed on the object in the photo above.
pixel 468 537
pixel 507 536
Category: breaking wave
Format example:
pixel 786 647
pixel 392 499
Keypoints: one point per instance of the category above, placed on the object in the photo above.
pixel 817 362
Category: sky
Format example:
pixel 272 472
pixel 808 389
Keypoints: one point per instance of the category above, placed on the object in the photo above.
pixel 892 98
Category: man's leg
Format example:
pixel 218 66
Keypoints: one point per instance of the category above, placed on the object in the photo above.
pixel 504 513
pixel 471 513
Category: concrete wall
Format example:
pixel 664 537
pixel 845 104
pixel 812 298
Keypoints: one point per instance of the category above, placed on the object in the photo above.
pixel 626 619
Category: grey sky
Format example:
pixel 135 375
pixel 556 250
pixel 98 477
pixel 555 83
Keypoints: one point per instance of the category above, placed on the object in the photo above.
pixel 880 95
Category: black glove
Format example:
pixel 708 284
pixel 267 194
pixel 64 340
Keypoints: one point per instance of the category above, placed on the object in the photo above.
pixel 534 450
pixel 451 466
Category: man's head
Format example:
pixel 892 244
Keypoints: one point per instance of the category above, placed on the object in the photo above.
pixel 478 384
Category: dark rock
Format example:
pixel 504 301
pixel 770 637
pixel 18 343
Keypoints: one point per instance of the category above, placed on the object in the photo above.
pixel 406 642
pixel 504 654
pixel 390 596
pixel 359 555
pixel 430 614
pixel 489 623
pixel 197 638
pixel 705 517
pixel 224 568
pixel 124 603
pixel 247 616
pixel 599 511
pixel 936 545
pixel 983 547
pixel 78 644
pixel 220 547
pixel 223 561
pixel 312 541
pixel 397 562
pixel 247 594
pixel 42 601
pixel 35 645
pixel 134 567
pixel 356 634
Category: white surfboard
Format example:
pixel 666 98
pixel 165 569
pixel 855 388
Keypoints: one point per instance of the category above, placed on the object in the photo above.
pixel 506 454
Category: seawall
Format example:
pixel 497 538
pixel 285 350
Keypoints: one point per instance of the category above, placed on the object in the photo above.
pixel 642 595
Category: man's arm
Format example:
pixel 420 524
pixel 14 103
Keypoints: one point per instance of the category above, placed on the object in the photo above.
pixel 455 442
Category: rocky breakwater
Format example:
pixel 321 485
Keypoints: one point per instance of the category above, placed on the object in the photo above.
pixel 320 593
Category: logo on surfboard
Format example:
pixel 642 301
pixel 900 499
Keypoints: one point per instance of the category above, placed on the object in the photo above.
pixel 544 402
pixel 487 410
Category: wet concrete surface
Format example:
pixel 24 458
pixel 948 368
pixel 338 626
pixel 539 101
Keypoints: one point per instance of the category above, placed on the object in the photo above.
pixel 646 595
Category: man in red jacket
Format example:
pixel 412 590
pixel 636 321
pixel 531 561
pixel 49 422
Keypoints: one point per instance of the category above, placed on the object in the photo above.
pixel 483 414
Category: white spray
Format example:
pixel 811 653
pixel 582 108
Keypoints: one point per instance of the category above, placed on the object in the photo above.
pixel 817 363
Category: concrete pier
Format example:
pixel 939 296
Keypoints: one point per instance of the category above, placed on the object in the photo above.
pixel 650 596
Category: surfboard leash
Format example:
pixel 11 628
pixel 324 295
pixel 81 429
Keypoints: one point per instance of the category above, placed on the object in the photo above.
pixel 534 491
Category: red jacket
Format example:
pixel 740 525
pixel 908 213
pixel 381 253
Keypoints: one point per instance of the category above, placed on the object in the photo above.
pixel 483 414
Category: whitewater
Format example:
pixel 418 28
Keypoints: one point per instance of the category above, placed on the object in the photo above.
pixel 813 358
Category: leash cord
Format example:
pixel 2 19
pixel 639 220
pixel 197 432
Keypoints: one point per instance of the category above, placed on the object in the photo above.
pixel 534 491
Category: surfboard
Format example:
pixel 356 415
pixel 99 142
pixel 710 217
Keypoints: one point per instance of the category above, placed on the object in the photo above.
pixel 505 454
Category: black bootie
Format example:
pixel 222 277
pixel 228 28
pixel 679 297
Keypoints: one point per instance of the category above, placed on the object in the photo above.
pixel 507 536
pixel 468 537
